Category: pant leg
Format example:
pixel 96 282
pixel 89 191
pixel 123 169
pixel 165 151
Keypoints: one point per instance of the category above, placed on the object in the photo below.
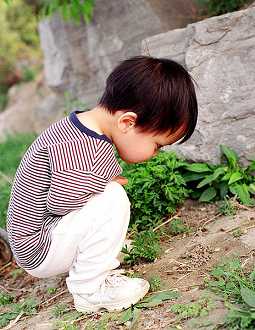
pixel 87 242
pixel 99 249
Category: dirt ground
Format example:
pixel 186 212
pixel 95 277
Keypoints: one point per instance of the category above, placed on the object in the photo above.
pixel 184 264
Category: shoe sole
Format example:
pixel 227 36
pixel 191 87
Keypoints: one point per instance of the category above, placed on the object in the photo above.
pixel 112 307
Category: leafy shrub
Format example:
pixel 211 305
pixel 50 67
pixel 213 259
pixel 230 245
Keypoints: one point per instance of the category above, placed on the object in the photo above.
pixel 212 182
pixel 145 247
pixel 19 42
pixel 227 207
pixel 238 289
pixel 155 283
pixel 227 279
pixel 193 309
pixel 154 188
pixel 219 7
pixel 5 299
pixel 70 9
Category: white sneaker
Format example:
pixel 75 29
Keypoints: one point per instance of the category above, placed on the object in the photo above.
pixel 117 293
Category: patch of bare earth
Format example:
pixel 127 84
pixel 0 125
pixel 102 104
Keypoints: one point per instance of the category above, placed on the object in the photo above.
pixel 184 264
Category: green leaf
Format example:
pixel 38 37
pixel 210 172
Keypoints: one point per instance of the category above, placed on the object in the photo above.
pixel 198 167
pixel 208 194
pixel 248 296
pixel 230 155
pixel 193 176
pixel 236 176
pixel 205 181
pixel 212 177
pixel 223 189
pixel 158 298
pixel 241 190
pixel 127 315
pixel 226 177
pixel 252 188
pixel 135 316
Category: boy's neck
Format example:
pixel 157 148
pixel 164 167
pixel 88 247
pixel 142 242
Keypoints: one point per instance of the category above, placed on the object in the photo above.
pixel 98 120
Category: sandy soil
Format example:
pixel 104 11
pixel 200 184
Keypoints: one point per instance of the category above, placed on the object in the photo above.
pixel 184 264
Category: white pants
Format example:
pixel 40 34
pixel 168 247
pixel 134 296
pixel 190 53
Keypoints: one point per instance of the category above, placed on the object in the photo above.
pixel 86 242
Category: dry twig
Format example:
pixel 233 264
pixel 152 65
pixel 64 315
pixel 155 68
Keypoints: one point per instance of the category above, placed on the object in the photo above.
pixel 5 266
pixel 13 322
pixel 167 221
pixel 52 298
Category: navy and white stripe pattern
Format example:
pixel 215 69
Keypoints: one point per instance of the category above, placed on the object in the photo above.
pixel 59 173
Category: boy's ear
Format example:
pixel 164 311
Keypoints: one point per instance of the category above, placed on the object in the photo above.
pixel 126 121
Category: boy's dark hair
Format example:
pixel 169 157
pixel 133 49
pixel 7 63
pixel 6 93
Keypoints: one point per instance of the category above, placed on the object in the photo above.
pixel 160 91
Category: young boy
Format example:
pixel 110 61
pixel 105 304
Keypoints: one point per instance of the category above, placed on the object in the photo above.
pixel 68 211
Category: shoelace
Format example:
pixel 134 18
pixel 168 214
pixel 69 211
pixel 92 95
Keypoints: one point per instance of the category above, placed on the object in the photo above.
pixel 113 279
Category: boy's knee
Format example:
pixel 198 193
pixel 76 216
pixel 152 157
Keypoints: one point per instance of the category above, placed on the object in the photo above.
pixel 118 192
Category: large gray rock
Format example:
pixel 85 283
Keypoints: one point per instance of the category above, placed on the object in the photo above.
pixel 79 58
pixel 219 53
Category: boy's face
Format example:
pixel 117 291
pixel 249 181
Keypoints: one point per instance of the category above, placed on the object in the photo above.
pixel 135 146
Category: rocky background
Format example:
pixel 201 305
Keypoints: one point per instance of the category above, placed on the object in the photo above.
pixel 218 52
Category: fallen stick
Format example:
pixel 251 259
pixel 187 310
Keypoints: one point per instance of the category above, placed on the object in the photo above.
pixel 13 322
pixel 52 298
pixel 167 221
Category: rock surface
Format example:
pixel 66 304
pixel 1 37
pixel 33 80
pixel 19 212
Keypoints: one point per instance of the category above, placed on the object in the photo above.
pixel 32 107
pixel 80 60
pixel 219 53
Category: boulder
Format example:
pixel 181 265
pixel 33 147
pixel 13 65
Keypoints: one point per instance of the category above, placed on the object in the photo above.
pixel 78 59
pixel 219 53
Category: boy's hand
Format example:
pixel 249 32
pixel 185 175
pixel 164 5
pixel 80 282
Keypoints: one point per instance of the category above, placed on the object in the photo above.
pixel 121 180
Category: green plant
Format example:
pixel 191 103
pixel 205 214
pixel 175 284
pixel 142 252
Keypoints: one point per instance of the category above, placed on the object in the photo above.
pixel 177 226
pixel 16 273
pixel 228 278
pixel 132 314
pixel 240 318
pixel 154 188
pixel 227 207
pixel 5 299
pixel 28 74
pixel 26 307
pixel 60 309
pixel 238 289
pixel 237 232
pixel 145 246
pixel 67 321
pixel 19 42
pixel 219 7
pixel 155 283
pixel 69 9
pixel 193 309
pixel 51 290
pixel 211 182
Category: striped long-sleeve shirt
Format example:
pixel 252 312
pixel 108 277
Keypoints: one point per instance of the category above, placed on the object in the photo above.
pixel 59 173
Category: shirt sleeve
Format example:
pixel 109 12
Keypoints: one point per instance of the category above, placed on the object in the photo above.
pixel 71 189
pixel 77 176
